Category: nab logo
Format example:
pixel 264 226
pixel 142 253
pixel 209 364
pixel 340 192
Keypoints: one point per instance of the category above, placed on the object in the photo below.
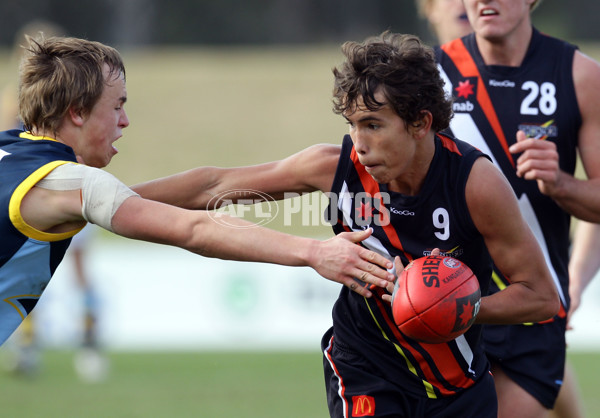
pixel 464 91
pixel 363 406
pixel 466 106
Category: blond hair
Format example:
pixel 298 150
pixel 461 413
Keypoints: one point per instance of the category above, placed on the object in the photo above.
pixel 60 73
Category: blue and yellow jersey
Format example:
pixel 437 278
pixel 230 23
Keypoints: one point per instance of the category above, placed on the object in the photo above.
pixel 492 102
pixel 28 257
pixel 410 227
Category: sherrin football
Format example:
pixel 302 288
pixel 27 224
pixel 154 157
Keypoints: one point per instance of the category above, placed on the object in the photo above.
pixel 435 299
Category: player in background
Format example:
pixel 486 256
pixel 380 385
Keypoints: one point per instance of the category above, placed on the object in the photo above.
pixel 419 191
pixel 545 107
pixel 53 185
pixel 91 364
pixel 447 19
pixel 583 267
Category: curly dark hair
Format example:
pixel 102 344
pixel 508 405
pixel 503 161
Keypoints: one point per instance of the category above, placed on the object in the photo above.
pixel 402 68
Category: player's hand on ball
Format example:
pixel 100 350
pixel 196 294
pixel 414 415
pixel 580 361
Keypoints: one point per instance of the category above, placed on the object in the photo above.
pixel 342 261
pixel 399 269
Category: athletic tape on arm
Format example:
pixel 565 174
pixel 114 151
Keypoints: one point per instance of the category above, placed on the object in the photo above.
pixel 101 192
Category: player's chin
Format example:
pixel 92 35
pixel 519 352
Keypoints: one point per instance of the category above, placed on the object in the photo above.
pixel 109 156
pixel 99 162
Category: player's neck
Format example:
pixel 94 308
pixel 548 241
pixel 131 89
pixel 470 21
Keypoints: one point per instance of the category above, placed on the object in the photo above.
pixel 508 51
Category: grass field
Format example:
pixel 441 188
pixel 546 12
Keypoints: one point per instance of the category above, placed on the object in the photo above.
pixel 173 385
pixel 203 384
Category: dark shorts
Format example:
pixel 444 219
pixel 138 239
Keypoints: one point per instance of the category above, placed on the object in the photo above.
pixel 355 390
pixel 531 355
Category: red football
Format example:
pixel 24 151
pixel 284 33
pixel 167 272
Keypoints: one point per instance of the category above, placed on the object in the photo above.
pixel 435 299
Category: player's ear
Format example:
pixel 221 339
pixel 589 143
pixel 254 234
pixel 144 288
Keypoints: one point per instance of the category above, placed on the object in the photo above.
pixel 421 127
pixel 76 116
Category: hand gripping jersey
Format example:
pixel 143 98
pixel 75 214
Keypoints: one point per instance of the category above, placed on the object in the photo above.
pixel 28 257
pixel 493 102
pixel 411 227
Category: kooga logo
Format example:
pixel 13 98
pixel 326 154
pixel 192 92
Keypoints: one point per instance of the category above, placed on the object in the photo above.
pixel 505 83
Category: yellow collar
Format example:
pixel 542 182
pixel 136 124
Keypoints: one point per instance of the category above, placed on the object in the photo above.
pixel 28 135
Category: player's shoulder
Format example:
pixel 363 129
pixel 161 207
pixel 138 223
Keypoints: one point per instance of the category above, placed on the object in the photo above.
pixel 458 146
pixel 10 136
pixel 586 67
pixel 324 149
pixel 549 39
pixel 316 155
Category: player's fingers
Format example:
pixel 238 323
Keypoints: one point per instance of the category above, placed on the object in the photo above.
pixel 521 136
pixel 399 266
pixel 376 276
pixel 356 287
pixel 546 170
pixel 531 144
pixel 370 256
pixel 357 236
pixel 522 143
pixel 539 156
pixel 377 265
pixel 398 269
pixel 436 251
pixel 390 288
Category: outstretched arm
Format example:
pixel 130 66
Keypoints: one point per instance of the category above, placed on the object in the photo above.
pixel 306 171
pixel 103 200
pixel 338 259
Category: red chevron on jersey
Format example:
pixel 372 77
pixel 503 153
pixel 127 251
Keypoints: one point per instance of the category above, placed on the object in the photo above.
pixel 467 67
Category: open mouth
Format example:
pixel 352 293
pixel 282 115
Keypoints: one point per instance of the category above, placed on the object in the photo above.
pixel 488 12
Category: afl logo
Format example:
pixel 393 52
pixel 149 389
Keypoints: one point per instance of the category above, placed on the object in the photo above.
pixel 452 263
pixel 238 203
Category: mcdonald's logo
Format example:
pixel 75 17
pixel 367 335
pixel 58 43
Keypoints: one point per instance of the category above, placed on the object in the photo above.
pixel 363 406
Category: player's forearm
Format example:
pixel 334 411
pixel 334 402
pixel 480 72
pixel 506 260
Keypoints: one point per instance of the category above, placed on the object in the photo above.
pixel 518 304
pixel 190 189
pixel 235 239
pixel 209 234
pixel 580 198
